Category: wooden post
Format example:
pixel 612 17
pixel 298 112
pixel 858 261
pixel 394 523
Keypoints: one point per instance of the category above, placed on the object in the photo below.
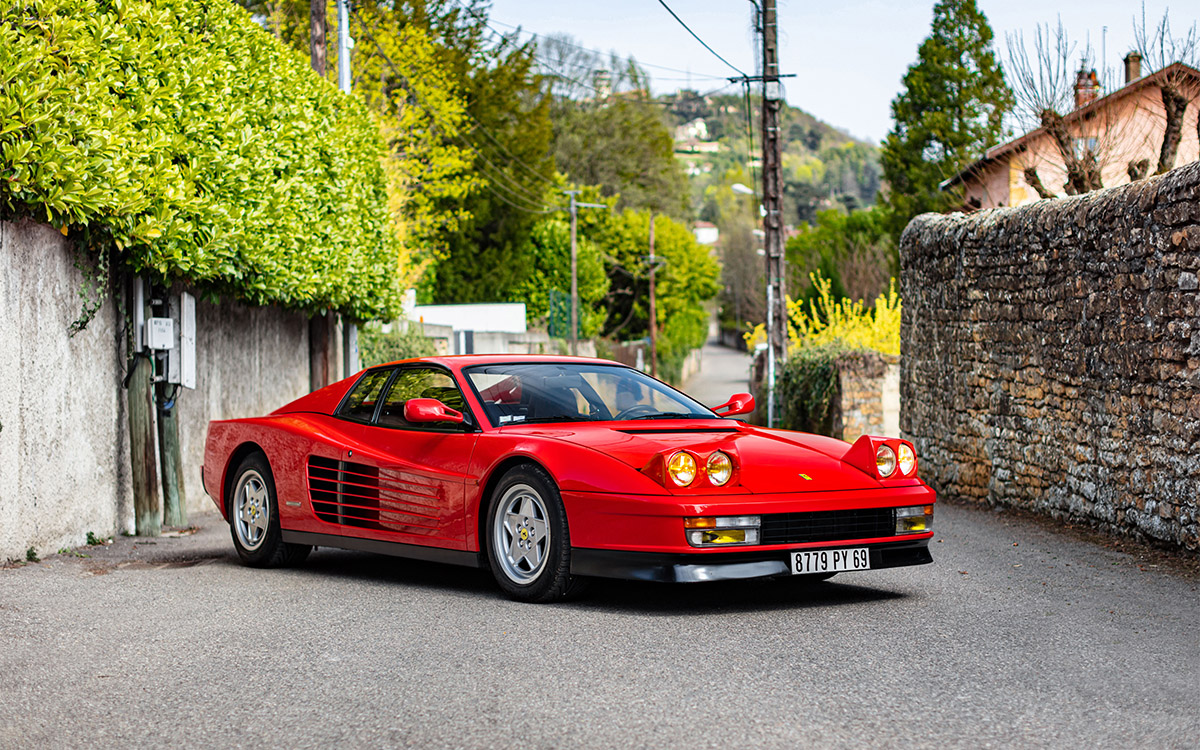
pixel 143 462
pixel 174 498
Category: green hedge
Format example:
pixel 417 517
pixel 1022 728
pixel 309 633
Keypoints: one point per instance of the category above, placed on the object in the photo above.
pixel 182 135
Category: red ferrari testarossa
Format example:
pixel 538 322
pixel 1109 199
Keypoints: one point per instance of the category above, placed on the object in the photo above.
pixel 549 470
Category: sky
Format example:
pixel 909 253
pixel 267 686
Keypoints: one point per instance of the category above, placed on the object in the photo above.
pixel 849 56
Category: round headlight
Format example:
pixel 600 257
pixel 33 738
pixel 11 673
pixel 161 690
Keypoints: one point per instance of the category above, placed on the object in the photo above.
pixel 885 461
pixel 720 468
pixel 906 459
pixel 682 468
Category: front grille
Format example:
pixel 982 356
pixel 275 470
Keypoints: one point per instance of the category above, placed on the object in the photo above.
pixel 828 525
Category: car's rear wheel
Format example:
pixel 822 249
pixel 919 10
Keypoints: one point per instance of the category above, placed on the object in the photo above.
pixel 254 517
pixel 528 542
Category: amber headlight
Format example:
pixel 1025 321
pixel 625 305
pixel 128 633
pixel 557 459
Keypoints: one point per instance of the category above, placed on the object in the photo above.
pixel 721 531
pixel 885 461
pixel 916 519
pixel 906 460
pixel 682 468
pixel 720 468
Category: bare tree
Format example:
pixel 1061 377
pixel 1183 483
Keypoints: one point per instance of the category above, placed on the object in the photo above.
pixel 1160 49
pixel 1044 86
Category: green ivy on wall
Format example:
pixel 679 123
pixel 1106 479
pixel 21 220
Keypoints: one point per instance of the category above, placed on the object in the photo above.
pixel 188 140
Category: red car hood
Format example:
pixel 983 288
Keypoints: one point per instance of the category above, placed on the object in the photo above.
pixel 766 461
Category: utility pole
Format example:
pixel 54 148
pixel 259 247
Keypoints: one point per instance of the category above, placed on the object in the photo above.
pixel 575 206
pixel 773 203
pixel 140 393
pixel 345 44
pixel 653 260
pixel 320 325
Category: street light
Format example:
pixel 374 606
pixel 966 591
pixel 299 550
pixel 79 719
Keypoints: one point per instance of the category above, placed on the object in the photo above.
pixel 741 189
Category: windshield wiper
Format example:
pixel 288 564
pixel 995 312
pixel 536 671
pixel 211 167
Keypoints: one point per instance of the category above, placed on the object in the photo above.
pixel 545 420
pixel 671 415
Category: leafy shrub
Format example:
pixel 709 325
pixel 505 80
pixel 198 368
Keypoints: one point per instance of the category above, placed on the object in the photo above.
pixel 806 387
pixel 377 345
pixel 823 339
pixel 183 136
pixel 844 322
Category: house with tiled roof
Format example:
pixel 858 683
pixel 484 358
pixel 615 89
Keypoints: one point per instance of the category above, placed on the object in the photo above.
pixel 1117 138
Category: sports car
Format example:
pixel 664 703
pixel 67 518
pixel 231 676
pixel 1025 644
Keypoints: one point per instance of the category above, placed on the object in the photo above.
pixel 551 470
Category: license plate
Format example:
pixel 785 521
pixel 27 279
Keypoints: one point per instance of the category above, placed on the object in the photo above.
pixel 830 560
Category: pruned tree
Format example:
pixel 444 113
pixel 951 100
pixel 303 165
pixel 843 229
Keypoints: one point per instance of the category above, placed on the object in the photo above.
pixel 1160 49
pixel 1044 83
pixel 1112 139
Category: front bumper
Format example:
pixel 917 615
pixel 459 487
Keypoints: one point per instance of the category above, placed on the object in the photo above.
pixel 728 566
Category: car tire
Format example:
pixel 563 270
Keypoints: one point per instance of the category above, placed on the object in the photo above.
pixel 527 539
pixel 254 517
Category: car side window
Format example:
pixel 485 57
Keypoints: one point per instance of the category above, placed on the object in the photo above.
pixel 420 382
pixel 360 404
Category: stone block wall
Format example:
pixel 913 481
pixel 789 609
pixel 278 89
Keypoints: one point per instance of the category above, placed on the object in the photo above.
pixel 64 445
pixel 1051 356
pixel 868 401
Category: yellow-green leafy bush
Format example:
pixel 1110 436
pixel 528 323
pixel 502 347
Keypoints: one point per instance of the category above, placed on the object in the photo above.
pixel 186 139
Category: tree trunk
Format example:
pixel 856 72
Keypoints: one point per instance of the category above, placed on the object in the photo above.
pixel 1077 177
pixel 1035 182
pixel 316 35
pixel 1175 105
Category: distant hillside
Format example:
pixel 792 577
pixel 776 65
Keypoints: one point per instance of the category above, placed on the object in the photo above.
pixel 823 166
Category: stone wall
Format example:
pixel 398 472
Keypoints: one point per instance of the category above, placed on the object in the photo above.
pixel 867 400
pixel 868 397
pixel 64 446
pixel 1052 356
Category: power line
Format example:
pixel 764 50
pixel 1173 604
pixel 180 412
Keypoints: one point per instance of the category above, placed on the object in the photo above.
pixel 698 39
pixel 535 35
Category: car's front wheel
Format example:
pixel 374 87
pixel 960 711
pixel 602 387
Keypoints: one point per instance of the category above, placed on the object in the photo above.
pixel 528 542
pixel 254 517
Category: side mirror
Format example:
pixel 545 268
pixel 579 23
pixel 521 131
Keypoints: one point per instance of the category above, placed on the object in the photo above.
pixel 423 410
pixel 738 403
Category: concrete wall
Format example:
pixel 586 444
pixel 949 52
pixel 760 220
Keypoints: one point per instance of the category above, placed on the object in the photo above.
pixel 64 450
pixel 249 361
pixel 1052 356
pixel 64 447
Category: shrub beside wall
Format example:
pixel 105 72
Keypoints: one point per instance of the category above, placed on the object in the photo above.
pixel 183 138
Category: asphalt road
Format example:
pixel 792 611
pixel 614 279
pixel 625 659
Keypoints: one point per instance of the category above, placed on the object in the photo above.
pixel 1015 636
pixel 723 372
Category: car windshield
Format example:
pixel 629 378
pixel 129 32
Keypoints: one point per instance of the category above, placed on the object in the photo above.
pixel 539 393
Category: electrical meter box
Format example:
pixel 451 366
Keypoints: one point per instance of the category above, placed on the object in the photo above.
pixel 160 334
pixel 181 360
